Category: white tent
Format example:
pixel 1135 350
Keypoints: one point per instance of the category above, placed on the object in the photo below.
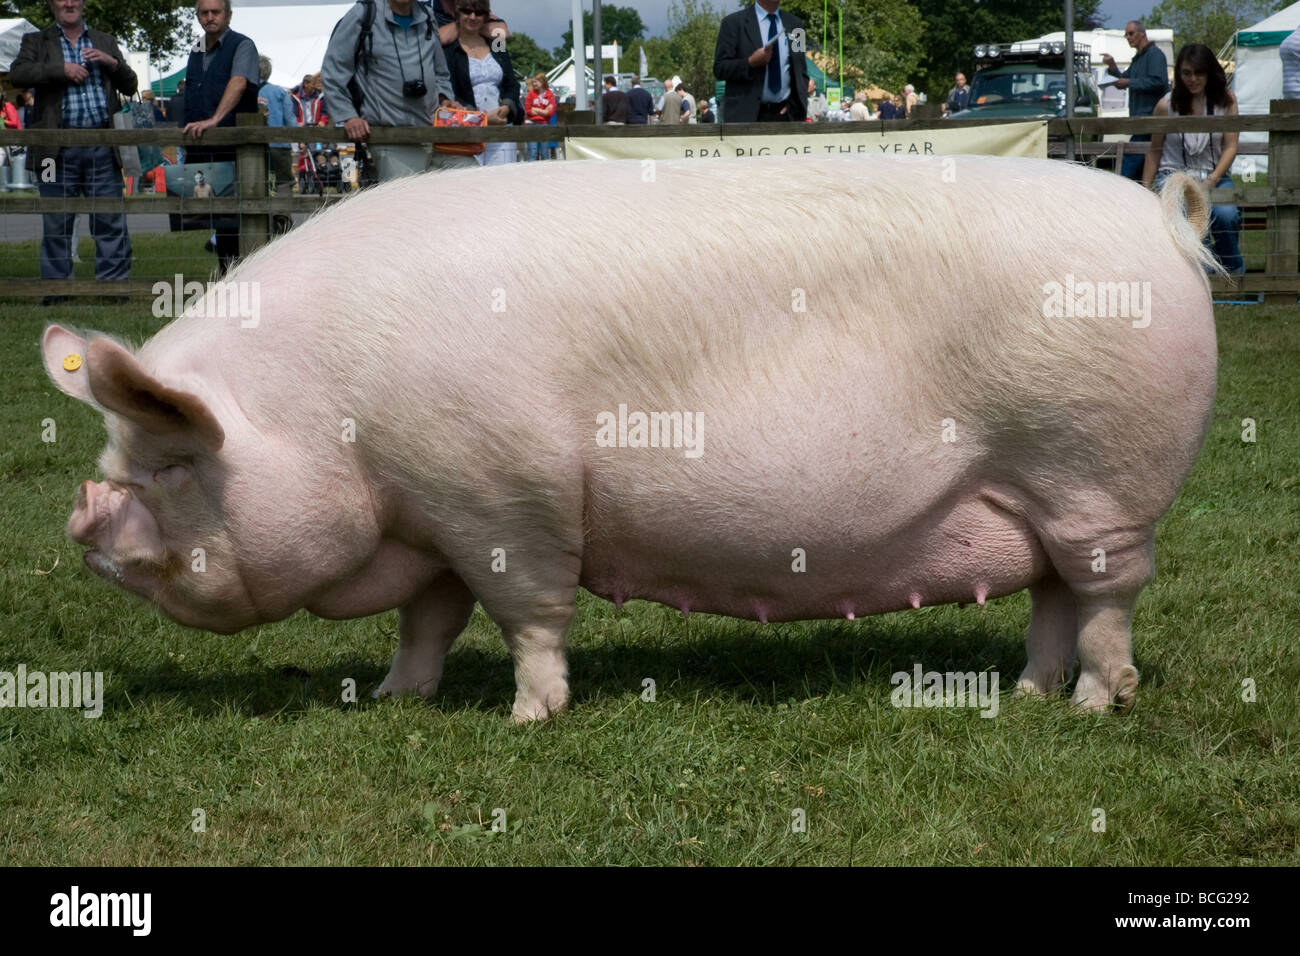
pixel 11 37
pixel 1258 74
pixel 1257 77
pixel 563 80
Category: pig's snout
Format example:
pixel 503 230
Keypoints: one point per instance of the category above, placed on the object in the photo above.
pixel 112 521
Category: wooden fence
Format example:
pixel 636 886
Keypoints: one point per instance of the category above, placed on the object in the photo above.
pixel 1275 205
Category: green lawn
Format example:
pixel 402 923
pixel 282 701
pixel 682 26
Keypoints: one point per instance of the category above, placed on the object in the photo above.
pixel 750 724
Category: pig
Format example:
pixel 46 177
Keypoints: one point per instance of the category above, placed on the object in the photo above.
pixel 893 391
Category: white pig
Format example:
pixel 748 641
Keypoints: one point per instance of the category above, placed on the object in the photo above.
pixel 420 418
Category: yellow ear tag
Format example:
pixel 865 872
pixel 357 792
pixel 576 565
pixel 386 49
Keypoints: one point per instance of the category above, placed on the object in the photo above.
pixel 72 362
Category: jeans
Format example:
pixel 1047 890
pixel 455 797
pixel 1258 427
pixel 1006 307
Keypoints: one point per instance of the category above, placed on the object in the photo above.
pixel 537 151
pixel 1225 224
pixel 85 171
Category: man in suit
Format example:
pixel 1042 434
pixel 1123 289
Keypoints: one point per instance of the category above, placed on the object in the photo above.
pixel 79 75
pixel 615 104
pixel 765 72
pixel 640 104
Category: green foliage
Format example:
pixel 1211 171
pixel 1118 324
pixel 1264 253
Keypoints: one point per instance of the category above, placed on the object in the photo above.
pixel 883 38
pixel 1212 22
pixel 158 26
pixel 527 56
pixel 621 24
pixel 952 30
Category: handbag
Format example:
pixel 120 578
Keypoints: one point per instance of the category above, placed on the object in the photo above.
pixel 128 157
pixel 450 117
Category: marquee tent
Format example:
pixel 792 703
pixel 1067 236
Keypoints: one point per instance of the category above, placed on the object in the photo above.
pixel 11 37
pixel 1257 77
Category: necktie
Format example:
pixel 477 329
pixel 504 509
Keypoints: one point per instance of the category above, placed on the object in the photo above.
pixel 774 64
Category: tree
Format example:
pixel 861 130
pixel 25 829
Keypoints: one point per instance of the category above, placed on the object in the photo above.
pixel 692 40
pixel 161 27
pixel 528 58
pixel 1212 22
pixel 882 38
pixel 617 24
pixel 953 29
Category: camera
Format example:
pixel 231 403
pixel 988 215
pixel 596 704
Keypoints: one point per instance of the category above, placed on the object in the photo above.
pixel 414 88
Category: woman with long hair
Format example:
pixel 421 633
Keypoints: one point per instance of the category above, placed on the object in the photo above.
pixel 1200 89
pixel 539 107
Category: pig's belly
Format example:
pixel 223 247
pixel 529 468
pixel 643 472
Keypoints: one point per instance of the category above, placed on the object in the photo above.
pixel 966 550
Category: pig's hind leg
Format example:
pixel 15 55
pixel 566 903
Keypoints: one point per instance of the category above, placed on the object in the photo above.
pixel 1052 640
pixel 1105 567
pixel 430 624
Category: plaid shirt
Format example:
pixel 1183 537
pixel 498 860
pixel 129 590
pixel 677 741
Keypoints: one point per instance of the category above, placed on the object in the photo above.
pixel 84 104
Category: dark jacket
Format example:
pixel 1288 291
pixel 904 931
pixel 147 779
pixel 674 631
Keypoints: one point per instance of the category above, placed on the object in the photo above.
pixel 616 106
pixel 640 104
pixel 738 37
pixel 39 64
pixel 458 64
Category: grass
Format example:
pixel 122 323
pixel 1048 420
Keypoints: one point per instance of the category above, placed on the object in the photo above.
pixel 750 724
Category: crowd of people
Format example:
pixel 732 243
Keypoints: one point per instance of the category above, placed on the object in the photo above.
pixel 395 63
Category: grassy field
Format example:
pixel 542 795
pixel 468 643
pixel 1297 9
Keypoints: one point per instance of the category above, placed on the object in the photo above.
pixel 750 724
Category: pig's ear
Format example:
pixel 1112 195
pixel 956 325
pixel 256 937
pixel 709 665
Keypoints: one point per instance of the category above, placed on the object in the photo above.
pixel 64 353
pixel 119 383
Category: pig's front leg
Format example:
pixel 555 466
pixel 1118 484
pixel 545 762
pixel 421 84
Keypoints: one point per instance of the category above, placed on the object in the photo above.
pixel 430 624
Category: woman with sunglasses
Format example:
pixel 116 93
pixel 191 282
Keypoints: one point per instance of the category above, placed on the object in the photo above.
pixel 483 77
pixel 1200 89
pixel 444 15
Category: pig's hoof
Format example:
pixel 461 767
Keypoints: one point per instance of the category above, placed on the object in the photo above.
pixel 527 711
pixel 1027 687
pixel 395 686
pixel 1093 696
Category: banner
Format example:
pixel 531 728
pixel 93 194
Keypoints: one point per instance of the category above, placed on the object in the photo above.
pixel 1008 139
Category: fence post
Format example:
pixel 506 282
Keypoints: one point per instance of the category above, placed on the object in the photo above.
pixel 250 173
pixel 1283 217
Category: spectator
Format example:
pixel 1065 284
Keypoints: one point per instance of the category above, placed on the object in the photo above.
pixel 1146 79
pixel 400 80
pixel 444 15
pixel 176 106
pixel 159 117
pixel 910 99
pixel 670 113
pixel 79 75
pixel 1290 53
pixel 1200 89
pixel 485 78
pixel 615 105
pixel 26 101
pixel 221 81
pixel 817 104
pixel 890 107
pixel 539 108
pixel 767 81
pixel 640 104
pixel 280 111
pixel 689 109
pixel 706 112
pixel 10 117
pixel 958 97
pixel 859 111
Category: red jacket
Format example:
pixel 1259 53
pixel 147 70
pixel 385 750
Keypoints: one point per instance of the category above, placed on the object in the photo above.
pixel 11 119
pixel 544 99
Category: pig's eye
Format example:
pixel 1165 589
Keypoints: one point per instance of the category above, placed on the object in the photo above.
pixel 173 476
